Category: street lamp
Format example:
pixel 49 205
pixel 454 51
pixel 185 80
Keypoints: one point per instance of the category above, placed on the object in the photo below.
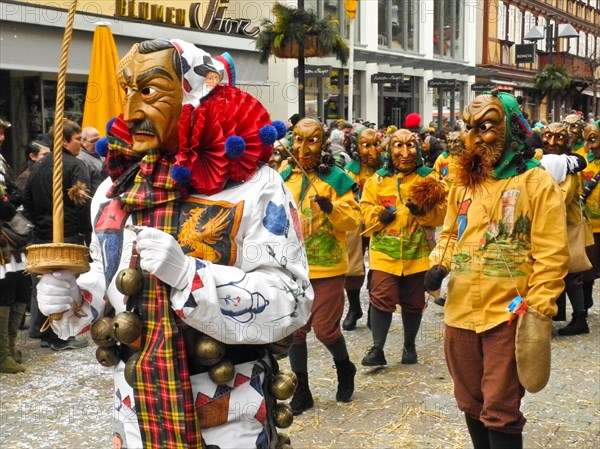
pixel 552 32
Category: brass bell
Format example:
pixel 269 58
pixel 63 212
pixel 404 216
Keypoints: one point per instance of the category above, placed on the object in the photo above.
pixel 222 373
pixel 102 332
pixel 284 385
pixel 209 351
pixel 127 327
pixel 283 438
pixel 282 347
pixel 129 281
pixel 107 356
pixel 283 415
pixel 129 371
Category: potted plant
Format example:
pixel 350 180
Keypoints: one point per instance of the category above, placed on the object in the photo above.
pixel 553 78
pixel 293 28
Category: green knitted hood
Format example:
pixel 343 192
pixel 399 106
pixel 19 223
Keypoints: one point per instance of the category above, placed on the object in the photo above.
pixel 513 160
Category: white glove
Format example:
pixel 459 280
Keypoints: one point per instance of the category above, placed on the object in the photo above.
pixel 57 292
pixel 161 256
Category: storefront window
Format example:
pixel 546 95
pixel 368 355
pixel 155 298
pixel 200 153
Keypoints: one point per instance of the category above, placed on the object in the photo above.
pixel 323 96
pixel 398 24
pixel 448 104
pixel 397 100
pixel 334 9
pixel 448 30
pixel 74 101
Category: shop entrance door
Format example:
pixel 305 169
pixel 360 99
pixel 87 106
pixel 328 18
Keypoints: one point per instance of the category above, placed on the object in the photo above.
pixel 396 100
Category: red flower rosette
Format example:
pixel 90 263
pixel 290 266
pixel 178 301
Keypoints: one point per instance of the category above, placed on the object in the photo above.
pixel 203 132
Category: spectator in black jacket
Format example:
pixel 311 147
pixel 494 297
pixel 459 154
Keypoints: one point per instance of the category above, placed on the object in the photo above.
pixel 39 209
pixel 14 285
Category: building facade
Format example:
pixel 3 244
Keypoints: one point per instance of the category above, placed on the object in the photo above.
pixel 520 38
pixel 424 56
pixel 400 62
pixel 31 35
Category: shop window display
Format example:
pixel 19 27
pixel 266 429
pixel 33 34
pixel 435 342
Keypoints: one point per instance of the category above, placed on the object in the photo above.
pixel 74 101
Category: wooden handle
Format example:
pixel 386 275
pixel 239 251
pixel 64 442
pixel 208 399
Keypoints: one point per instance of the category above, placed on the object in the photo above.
pixel 376 224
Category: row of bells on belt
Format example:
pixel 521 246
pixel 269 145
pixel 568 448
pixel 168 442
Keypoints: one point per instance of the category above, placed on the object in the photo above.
pixel 283 387
pixel 124 328
pixel 283 441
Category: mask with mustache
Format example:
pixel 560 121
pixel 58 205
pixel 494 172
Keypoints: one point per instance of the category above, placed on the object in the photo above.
pixel 493 135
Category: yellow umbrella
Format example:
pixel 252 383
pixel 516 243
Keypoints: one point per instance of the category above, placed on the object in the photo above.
pixel 104 97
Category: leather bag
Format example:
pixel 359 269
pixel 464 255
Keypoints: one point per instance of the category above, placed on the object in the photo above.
pixel 579 261
pixel 17 232
pixel 532 349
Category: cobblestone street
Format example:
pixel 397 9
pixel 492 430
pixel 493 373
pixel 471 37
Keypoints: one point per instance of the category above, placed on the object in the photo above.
pixel 64 399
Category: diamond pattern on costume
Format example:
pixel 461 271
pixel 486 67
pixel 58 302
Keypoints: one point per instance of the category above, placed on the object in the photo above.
pixel 240 379
pixel 222 389
pixel 255 382
pixel 197 282
pixel 262 442
pixel 261 413
pixel 212 412
pixel 119 404
pixel 122 402
pixel 191 302
pixel 185 67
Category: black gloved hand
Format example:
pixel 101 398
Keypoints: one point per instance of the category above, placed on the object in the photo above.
pixel 14 196
pixel 7 209
pixel 575 163
pixel 386 216
pixel 434 277
pixel 414 209
pixel 324 203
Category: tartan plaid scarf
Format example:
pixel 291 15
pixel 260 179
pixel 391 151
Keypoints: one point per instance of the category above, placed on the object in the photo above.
pixel 163 393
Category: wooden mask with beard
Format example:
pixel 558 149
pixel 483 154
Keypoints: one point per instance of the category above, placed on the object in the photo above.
pixel 369 148
pixel 484 136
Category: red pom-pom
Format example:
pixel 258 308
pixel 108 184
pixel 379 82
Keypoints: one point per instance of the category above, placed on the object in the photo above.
pixel 413 120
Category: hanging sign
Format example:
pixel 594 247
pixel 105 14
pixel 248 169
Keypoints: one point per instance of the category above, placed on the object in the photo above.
pixel 441 82
pixel 524 53
pixel 379 78
pixel 315 71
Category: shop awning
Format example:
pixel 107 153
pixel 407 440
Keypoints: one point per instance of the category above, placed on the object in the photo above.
pixel 590 93
pixel 401 60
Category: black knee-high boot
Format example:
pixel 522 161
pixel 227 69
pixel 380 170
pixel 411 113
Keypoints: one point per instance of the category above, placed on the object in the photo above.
pixel 501 440
pixel 302 399
pixel 479 433
pixel 561 303
pixel 588 299
pixel 354 310
pixel 578 324
pixel 411 322
pixel 346 371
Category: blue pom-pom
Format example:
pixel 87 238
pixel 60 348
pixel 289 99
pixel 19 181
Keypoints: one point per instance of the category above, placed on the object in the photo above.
pixel 281 129
pixel 102 147
pixel 234 146
pixel 109 124
pixel 181 174
pixel 268 135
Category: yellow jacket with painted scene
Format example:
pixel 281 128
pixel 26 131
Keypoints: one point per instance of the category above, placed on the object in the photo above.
pixel 324 234
pixel 400 247
pixel 506 239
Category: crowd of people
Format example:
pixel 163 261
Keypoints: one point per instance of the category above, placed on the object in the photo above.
pixel 219 239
